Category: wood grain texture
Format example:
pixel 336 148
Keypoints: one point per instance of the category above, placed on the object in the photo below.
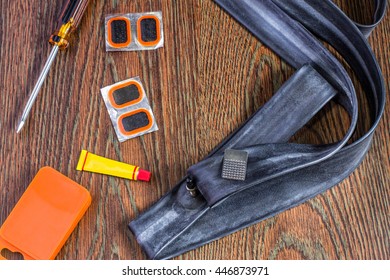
pixel 210 76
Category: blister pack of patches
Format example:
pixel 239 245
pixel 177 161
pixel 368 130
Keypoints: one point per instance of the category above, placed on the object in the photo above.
pixel 129 109
pixel 134 32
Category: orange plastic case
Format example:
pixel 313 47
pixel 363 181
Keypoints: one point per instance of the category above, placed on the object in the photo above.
pixel 45 216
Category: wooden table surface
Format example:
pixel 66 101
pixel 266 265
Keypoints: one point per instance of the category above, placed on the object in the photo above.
pixel 210 76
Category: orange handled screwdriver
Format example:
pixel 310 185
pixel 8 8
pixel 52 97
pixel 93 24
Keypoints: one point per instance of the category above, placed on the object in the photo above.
pixel 69 20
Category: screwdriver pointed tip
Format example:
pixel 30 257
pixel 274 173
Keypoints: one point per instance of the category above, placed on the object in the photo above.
pixel 20 126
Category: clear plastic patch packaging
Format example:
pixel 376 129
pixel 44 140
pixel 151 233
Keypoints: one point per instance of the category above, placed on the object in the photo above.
pixel 129 109
pixel 134 32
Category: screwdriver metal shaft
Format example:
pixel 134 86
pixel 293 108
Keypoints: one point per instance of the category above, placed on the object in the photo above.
pixel 37 87
pixel 69 21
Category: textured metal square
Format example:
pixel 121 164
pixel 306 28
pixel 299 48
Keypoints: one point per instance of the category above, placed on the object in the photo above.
pixel 234 165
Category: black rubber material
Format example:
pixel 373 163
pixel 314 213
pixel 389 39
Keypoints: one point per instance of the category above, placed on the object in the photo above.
pixel 126 94
pixel 119 32
pixel 149 30
pixel 136 121
pixel 280 175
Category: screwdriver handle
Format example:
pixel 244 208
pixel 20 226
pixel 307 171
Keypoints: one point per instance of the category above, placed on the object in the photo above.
pixel 74 9
pixel 69 20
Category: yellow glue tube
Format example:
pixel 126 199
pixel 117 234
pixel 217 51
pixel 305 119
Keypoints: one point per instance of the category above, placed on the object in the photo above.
pixel 94 163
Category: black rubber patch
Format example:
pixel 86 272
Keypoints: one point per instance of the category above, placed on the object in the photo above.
pixel 119 31
pixel 135 121
pixel 149 30
pixel 126 94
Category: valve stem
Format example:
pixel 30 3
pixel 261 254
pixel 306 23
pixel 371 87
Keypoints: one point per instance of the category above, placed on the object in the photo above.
pixel 191 186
